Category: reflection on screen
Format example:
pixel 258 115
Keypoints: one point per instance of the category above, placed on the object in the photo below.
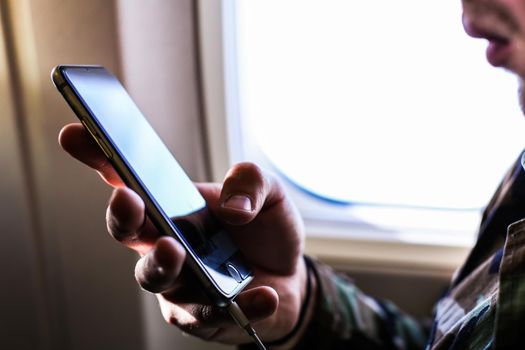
pixel 157 169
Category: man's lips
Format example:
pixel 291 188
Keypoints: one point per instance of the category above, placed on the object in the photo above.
pixel 498 53
pixel 499 45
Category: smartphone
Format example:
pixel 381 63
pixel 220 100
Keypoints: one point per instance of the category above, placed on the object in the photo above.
pixel 146 166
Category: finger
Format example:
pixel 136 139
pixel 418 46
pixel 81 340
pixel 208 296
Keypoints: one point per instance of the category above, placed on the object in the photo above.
pixel 201 319
pixel 258 303
pixel 275 239
pixel 127 222
pixel 182 317
pixel 247 189
pixel 76 141
pixel 161 266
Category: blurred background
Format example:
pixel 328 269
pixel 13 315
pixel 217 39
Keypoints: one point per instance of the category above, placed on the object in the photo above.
pixel 369 125
pixel 67 284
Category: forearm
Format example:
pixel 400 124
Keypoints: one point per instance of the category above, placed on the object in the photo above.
pixel 344 317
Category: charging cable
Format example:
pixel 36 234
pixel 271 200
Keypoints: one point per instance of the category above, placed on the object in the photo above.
pixel 240 318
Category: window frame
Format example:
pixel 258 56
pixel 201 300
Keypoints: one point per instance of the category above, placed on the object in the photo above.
pixel 325 239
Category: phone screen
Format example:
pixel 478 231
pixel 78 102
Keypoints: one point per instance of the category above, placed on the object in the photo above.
pixel 159 173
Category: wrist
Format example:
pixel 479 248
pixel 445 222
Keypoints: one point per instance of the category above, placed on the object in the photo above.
pixel 308 292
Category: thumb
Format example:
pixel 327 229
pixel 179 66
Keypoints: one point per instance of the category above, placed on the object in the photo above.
pixel 247 190
pixel 258 303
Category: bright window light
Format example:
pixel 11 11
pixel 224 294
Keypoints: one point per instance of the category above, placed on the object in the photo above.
pixel 382 103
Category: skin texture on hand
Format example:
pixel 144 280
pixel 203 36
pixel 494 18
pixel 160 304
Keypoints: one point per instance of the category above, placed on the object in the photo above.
pixel 262 221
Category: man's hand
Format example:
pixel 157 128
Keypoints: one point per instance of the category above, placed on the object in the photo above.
pixel 261 220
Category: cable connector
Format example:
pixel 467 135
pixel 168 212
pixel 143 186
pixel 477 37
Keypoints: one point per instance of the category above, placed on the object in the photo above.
pixel 240 318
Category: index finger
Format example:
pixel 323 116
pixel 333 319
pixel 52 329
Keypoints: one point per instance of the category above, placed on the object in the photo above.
pixel 76 141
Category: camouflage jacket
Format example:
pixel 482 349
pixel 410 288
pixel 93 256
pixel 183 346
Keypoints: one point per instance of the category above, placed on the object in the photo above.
pixel 484 307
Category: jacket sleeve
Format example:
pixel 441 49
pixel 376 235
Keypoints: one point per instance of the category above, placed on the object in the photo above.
pixel 346 318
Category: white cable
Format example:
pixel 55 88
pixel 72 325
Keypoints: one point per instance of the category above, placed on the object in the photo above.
pixel 236 313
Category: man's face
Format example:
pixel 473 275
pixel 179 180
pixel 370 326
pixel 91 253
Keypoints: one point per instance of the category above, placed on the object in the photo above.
pixel 502 23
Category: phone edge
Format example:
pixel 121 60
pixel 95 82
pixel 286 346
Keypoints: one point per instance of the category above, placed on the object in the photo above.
pixel 220 298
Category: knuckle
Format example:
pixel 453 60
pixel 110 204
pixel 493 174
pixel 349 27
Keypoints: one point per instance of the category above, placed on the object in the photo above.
pixel 182 319
pixel 188 319
pixel 207 314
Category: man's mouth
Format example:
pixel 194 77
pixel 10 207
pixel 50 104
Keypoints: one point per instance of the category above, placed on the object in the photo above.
pixel 498 53
pixel 499 43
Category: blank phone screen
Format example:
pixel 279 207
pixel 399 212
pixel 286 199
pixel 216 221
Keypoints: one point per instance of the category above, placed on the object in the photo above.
pixel 160 175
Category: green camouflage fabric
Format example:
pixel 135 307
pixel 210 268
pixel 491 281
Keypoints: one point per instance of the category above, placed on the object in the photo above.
pixel 484 307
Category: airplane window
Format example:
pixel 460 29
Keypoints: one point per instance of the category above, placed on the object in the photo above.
pixel 376 103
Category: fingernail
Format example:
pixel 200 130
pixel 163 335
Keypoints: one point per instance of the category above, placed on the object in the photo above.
pixel 238 202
